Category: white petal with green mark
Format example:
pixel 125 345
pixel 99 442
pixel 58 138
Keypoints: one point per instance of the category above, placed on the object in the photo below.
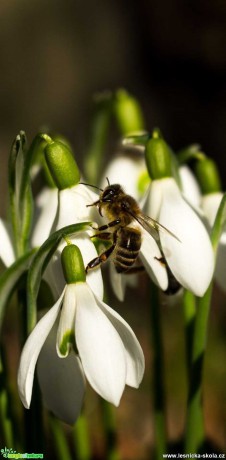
pixel 65 333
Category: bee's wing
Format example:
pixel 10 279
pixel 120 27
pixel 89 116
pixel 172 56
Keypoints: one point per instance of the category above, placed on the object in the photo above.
pixel 152 226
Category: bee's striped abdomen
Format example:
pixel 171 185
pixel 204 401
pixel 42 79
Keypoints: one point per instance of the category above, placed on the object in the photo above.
pixel 127 248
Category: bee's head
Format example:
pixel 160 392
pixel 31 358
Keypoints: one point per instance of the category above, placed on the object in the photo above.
pixel 110 193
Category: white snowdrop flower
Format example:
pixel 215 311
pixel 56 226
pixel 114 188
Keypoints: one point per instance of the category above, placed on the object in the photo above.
pixel 109 351
pixel 191 259
pixel 189 255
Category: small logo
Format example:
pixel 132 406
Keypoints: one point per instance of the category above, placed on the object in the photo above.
pixel 10 453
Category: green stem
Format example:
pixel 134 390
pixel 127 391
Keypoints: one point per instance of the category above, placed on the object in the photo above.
pixel 82 439
pixel 158 375
pixel 98 137
pixel 109 422
pixel 189 308
pixel 60 441
pixel 195 425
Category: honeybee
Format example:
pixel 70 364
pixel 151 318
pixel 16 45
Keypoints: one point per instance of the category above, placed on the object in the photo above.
pixel 123 230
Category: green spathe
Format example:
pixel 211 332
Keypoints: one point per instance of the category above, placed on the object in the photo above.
pixel 158 157
pixel 128 112
pixel 61 164
pixel 72 264
pixel 208 176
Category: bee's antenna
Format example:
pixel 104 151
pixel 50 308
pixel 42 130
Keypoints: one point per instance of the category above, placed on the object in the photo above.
pixel 108 181
pixel 90 185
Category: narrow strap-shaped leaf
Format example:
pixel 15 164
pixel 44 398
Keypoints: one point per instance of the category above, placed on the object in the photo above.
pixel 32 155
pixel 10 278
pixel 219 223
pixel 14 176
pixel 39 264
pixel 21 200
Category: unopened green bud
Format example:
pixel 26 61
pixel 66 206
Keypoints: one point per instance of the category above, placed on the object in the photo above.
pixel 61 164
pixel 158 157
pixel 208 176
pixel 128 113
pixel 72 264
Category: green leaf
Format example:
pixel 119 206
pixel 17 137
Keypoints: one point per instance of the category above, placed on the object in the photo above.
pixel 219 223
pixel 39 264
pixel 10 278
pixel 20 206
pixel 21 200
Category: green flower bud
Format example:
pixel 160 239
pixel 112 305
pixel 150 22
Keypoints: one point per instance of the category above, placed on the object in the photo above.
pixel 158 157
pixel 72 264
pixel 61 164
pixel 208 177
pixel 128 113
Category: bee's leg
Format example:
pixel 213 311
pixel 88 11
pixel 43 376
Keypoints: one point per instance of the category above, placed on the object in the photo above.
pixel 103 235
pixel 111 224
pixel 161 260
pixel 101 258
pixel 173 284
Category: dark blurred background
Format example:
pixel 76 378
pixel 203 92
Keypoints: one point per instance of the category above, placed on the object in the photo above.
pixel 171 55
pixel 55 55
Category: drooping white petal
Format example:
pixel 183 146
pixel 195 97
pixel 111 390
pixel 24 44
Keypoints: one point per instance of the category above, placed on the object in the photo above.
pixel 6 247
pixel 46 203
pixel 120 281
pixel 210 204
pixel 190 186
pixel 125 170
pixel 117 282
pixel 134 353
pixel 67 321
pixel 100 347
pixel 73 205
pixel 62 381
pixel 150 253
pixel 152 205
pixel 73 209
pixel 191 260
pixel 31 352
pixel 53 274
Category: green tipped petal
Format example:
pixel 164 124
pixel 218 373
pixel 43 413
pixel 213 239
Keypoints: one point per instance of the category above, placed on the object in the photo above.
pixel 208 176
pixel 73 265
pixel 158 157
pixel 67 342
pixel 62 165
